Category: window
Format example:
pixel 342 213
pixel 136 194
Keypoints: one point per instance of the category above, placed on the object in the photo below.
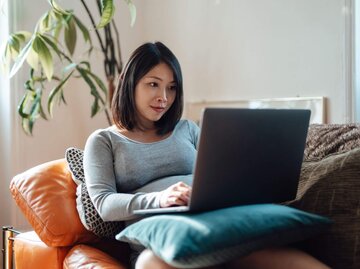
pixel 357 60
pixel 5 105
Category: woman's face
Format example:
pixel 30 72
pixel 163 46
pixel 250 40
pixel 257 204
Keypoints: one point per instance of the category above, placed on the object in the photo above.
pixel 154 95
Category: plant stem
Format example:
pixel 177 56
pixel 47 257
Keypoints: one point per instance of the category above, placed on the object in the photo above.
pixel 108 116
pixel 119 64
pixel 103 49
pixel 110 61
pixel 94 25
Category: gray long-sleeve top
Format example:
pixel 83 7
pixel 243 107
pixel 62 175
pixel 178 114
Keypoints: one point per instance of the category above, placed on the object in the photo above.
pixel 123 175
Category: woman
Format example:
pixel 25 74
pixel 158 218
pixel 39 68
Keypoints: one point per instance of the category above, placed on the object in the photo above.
pixel 146 158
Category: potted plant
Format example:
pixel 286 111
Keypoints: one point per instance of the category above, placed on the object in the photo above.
pixel 49 50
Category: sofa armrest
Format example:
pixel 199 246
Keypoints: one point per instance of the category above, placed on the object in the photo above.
pixel 31 252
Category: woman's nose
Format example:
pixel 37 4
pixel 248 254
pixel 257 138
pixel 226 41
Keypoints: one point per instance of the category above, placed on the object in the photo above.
pixel 162 97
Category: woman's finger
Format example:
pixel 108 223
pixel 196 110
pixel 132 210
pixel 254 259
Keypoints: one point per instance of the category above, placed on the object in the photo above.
pixel 177 194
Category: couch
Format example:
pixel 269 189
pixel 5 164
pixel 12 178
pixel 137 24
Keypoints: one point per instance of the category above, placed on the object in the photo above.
pixel 329 185
pixel 46 194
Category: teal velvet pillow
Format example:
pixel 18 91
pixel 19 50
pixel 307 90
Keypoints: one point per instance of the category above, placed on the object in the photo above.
pixel 214 237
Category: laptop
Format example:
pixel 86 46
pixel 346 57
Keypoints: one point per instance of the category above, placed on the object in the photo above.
pixel 246 156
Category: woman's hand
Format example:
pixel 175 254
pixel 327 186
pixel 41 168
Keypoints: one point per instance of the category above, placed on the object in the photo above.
pixel 177 194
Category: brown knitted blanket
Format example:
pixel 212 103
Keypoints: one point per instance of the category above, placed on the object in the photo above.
pixel 327 139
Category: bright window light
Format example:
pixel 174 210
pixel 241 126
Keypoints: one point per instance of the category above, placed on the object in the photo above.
pixel 357 61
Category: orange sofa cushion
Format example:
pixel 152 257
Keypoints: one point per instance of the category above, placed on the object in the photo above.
pixel 31 252
pixel 46 194
pixel 83 256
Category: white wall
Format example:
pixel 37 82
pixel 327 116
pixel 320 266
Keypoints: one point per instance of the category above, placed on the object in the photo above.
pixel 240 49
pixel 229 49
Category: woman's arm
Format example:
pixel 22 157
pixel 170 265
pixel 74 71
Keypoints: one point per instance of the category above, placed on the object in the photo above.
pixel 101 183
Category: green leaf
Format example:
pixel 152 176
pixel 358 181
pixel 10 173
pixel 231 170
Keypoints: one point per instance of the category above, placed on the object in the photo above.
pixel 5 57
pixel 57 24
pixel 13 53
pixel 23 36
pixel 132 9
pixel 84 75
pixel 33 59
pixel 36 108
pixel 34 111
pixel 107 12
pixel 45 23
pixel 88 53
pixel 41 112
pixel 24 104
pixel 27 126
pixel 14 43
pixel 33 79
pixel 70 35
pixel 54 92
pixel 21 58
pixel 86 63
pixel 87 75
pixel 95 108
pixel 99 82
pixel 69 67
pixel 45 57
pixel 11 48
pixel 57 8
pixel 51 43
pixel 63 98
pixel 29 84
pixel 83 29
pixel 56 32
pixel 30 109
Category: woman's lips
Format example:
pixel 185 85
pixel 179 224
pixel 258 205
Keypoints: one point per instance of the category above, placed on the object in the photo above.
pixel 158 109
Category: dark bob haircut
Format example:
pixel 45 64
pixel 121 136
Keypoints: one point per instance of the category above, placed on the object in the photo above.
pixel 143 59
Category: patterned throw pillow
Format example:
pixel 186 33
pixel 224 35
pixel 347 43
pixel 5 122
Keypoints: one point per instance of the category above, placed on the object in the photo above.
pixel 88 214
pixel 327 139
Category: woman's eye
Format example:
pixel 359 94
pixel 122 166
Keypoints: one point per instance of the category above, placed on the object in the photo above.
pixel 153 84
pixel 173 87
